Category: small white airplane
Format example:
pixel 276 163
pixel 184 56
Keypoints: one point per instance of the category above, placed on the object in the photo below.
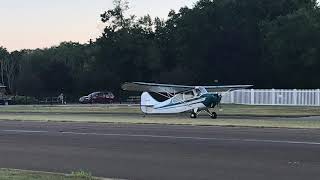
pixel 193 99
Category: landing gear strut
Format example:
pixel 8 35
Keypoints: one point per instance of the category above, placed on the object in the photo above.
pixel 213 115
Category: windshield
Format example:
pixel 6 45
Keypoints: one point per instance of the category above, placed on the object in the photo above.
pixel 203 90
pixel 200 91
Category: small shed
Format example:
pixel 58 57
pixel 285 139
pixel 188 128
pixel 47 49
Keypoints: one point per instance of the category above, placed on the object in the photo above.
pixel 2 90
pixel 4 99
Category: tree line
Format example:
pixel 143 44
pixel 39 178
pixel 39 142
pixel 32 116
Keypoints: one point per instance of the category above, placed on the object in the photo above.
pixel 270 44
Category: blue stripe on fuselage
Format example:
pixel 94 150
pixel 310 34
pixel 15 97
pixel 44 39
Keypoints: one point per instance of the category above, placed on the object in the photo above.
pixel 182 102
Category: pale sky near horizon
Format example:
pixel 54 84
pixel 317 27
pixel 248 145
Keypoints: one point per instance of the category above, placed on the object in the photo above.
pixel 31 24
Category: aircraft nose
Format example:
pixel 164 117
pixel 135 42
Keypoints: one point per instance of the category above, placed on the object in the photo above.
pixel 219 97
pixel 212 100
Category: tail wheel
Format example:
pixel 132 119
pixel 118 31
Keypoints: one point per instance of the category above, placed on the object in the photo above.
pixel 214 115
pixel 193 115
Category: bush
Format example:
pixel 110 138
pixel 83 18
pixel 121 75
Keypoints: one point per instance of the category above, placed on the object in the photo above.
pixel 17 100
pixel 82 175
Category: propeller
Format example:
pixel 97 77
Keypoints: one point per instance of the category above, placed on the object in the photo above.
pixel 219 105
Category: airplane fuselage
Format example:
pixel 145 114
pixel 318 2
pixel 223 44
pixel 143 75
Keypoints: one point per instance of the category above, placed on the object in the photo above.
pixel 178 104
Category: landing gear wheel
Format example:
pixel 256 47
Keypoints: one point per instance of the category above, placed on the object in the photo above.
pixel 214 115
pixel 193 115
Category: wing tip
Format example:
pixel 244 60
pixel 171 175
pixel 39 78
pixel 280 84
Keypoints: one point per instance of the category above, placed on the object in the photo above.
pixel 125 85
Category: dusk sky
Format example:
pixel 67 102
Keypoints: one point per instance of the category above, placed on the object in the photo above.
pixel 30 24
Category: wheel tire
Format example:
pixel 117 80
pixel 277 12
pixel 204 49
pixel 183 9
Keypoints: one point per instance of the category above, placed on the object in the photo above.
pixel 193 115
pixel 214 115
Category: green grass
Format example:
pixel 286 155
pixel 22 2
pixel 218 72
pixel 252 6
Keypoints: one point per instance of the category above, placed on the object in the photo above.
pixel 9 174
pixel 227 109
pixel 176 120
pixel 270 110
pixel 122 114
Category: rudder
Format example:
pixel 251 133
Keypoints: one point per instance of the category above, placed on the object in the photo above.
pixel 148 100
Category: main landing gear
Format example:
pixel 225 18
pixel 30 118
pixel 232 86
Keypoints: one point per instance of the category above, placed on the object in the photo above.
pixel 193 115
pixel 213 115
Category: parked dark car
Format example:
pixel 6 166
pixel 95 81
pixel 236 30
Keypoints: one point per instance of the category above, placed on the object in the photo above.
pixel 98 97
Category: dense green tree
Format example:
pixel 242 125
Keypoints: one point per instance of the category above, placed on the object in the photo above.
pixel 127 49
pixel 4 54
pixel 271 44
pixel 292 53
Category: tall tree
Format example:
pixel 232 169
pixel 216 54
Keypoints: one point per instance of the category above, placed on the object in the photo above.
pixel 292 46
pixel 267 43
pixel 11 67
pixel 3 56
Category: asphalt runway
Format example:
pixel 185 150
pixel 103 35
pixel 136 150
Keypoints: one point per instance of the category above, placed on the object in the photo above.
pixel 160 151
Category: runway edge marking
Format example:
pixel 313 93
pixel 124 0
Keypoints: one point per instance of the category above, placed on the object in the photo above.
pixel 166 137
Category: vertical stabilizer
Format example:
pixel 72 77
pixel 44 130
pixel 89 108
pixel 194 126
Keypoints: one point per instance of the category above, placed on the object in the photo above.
pixel 148 100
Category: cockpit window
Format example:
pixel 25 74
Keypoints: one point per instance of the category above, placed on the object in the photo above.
pixel 188 95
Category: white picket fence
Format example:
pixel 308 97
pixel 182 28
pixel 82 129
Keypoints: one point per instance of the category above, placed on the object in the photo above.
pixel 285 97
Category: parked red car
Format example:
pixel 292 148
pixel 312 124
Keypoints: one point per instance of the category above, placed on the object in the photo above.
pixel 98 97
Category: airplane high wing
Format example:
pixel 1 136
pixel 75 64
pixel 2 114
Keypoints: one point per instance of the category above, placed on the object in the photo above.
pixel 169 88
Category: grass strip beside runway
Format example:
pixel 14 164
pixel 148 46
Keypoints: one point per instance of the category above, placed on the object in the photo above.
pixel 130 114
pixel 10 174
pixel 171 120
pixel 134 109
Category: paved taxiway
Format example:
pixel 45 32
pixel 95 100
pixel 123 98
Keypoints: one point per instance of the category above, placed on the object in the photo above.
pixel 161 151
